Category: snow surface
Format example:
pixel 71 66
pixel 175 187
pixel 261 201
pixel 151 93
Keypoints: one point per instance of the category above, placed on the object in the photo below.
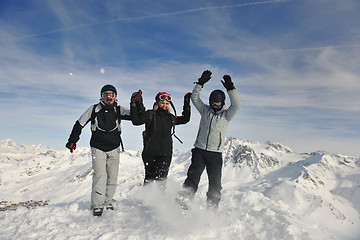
pixel 269 192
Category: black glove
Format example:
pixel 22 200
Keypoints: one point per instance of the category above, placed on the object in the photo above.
pixel 136 99
pixel 205 77
pixel 71 146
pixel 228 84
pixel 187 99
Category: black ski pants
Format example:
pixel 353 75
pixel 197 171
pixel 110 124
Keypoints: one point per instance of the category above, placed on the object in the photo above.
pixel 156 167
pixel 212 161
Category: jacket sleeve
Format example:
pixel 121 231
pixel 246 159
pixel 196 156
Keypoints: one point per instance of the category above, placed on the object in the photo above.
pixel 195 98
pixel 137 115
pixel 185 118
pixel 235 104
pixel 79 125
pixel 125 113
pixel 75 133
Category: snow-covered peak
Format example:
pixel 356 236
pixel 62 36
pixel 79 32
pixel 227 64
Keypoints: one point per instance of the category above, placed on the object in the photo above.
pixel 10 146
pixel 278 147
pixel 252 154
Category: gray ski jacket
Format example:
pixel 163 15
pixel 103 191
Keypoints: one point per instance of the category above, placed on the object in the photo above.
pixel 213 125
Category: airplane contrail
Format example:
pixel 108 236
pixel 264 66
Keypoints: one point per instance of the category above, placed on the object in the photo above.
pixel 195 10
pixel 128 19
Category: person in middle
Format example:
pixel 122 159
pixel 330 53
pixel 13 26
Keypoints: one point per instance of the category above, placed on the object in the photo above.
pixel 159 129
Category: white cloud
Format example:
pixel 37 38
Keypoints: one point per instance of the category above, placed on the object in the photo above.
pixel 288 84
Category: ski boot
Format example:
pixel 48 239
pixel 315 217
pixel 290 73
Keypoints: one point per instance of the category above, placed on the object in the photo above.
pixel 97 212
pixel 109 207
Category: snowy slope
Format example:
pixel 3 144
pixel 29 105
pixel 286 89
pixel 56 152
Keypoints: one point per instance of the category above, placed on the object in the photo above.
pixel 269 192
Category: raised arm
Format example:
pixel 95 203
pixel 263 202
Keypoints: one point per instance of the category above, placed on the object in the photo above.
pixel 137 109
pixel 233 95
pixel 185 118
pixel 195 95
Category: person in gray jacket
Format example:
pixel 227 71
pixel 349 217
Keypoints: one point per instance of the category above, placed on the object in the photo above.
pixel 105 118
pixel 207 151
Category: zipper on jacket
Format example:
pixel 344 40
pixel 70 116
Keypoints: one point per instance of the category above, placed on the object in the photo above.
pixel 207 139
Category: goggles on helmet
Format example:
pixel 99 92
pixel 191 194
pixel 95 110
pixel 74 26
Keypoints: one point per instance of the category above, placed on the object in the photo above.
pixel 162 96
pixel 108 94
pixel 216 104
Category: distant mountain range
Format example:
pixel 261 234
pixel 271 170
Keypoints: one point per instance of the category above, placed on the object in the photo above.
pixel 308 192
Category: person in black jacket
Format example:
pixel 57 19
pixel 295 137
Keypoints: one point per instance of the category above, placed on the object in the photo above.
pixel 159 128
pixel 105 118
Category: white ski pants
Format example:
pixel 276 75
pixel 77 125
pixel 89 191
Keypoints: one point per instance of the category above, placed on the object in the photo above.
pixel 104 181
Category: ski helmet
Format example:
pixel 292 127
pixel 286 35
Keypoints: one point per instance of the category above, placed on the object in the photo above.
pixel 217 96
pixel 108 87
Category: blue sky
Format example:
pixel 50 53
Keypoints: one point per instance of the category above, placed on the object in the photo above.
pixel 294 63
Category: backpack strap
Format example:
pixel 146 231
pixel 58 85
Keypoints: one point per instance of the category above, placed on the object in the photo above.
pixel 122 145
pixel 117 110
pixel 93 114
pixel 173 122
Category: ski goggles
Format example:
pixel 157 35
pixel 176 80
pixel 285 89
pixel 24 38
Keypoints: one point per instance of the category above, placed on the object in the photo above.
pixel 108 94
pixel 216 104
pixel 162 96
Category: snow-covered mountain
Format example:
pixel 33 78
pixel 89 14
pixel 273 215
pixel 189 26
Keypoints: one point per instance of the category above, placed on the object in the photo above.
pixel 9 147
pixel 269 192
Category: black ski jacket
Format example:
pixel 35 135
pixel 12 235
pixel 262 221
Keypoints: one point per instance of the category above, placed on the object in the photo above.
pixel 105 126
pixel 159 128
